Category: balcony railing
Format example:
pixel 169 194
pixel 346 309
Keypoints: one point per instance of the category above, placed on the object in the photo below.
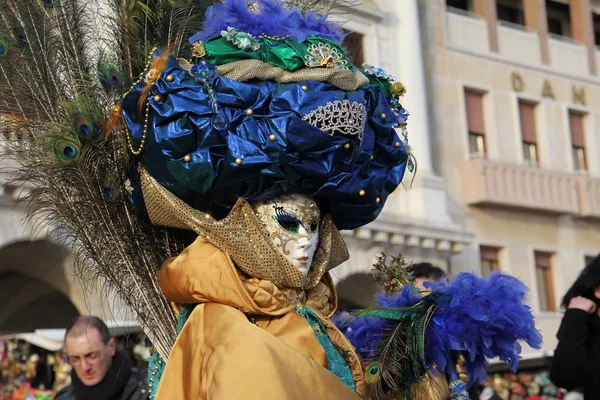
pixel 506 185
pixel 516 42
pixel 589 196
pixel 568 56
pixel 467 31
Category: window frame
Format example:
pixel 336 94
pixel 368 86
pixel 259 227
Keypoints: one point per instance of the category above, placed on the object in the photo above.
pixel 543 262
pixel 494 261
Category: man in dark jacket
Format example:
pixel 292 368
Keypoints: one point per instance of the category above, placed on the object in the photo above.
pixel 576 360
pixel 100 372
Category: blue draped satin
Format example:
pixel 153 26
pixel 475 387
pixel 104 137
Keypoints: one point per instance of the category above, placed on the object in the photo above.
pixel 301 159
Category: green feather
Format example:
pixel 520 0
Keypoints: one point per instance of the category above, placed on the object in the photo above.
pixel 3 46
pixel 110 188
pixel 84 124
pixel 109 75
pixel 401 351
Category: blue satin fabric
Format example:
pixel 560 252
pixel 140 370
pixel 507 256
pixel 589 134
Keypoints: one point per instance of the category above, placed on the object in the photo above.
pixel 301 159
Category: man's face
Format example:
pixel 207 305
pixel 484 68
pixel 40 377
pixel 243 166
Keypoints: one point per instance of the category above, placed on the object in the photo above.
pixel 90 358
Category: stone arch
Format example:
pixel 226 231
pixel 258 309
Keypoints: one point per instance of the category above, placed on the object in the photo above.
pixel 357 291
pixel 30 303
pixel 38 275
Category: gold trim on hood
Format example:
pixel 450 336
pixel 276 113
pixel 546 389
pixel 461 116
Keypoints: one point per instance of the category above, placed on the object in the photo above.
pixel 243 236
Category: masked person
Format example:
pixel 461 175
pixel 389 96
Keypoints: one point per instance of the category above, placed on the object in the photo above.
pixel 100 371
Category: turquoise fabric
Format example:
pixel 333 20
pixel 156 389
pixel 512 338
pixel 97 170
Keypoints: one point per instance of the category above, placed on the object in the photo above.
pixel 336 363
pixel 156 364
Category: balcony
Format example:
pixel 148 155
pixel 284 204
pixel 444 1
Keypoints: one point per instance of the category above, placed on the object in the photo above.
pixel 516 42
pixel 514 186
pixel 467 31
pixel 589 196
pixel 567 55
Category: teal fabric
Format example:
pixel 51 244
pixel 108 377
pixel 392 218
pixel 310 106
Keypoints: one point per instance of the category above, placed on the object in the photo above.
pixel 156 364
pixel 336 363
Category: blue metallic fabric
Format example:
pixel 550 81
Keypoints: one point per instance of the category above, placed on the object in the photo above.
pixel 336 363
pixel 301 158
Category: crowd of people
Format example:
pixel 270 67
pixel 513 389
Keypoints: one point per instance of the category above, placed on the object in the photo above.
pixel 29 372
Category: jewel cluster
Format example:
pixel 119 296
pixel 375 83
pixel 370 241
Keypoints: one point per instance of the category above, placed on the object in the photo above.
pixel 204 73
pixel 242 40
pixel 378 72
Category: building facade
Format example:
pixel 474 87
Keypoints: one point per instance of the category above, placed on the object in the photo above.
pixel 505 106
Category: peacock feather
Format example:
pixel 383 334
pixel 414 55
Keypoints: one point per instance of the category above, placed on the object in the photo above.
pixel 394 356
pixel 64 65
pixel 453 330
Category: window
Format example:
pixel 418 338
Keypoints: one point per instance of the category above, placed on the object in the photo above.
pixel 475 122
pixel 510 11
pixel 489 259
pixel 559 18
pixel 528 132
pixel 353 44
pixel 596 18
pixel 577 140
pixel 459 4
pixel 543 275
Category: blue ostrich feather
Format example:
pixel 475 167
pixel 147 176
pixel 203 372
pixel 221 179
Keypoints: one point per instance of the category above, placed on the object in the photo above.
pixel 482 318
pixel 272 19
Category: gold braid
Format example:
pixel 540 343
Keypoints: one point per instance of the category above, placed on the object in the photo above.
pixel 460 368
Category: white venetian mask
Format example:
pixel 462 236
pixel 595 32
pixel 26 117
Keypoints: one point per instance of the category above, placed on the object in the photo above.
pixel 292 222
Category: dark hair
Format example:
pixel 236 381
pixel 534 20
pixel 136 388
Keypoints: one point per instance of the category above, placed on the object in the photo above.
pixel 80 324
pixel 426 270
pixel 585 284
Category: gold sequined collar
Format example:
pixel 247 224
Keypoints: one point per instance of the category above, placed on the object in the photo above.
pixel 242 235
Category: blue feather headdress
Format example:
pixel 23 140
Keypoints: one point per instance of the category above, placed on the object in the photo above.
pixel 411 336
pixel 266 17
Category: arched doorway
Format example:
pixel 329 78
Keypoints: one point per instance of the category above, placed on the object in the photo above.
pixel 30 303
pixel 357 291
pixel 38 289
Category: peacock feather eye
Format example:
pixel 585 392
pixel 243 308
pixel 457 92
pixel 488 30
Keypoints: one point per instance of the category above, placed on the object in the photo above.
pixel 110 189
pixel 66 149
pixel 137 20
pixel 20 37
pixel 372 373
pixel 109 75
pixel 48 3
pixel 3 46
pixel 83 124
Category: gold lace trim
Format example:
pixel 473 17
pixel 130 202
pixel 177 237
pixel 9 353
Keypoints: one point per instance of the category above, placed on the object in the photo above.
pixel 243 236
pixel 246 70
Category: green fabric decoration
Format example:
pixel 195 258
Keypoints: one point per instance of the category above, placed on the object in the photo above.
pixel 287 54
pixel 336 363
